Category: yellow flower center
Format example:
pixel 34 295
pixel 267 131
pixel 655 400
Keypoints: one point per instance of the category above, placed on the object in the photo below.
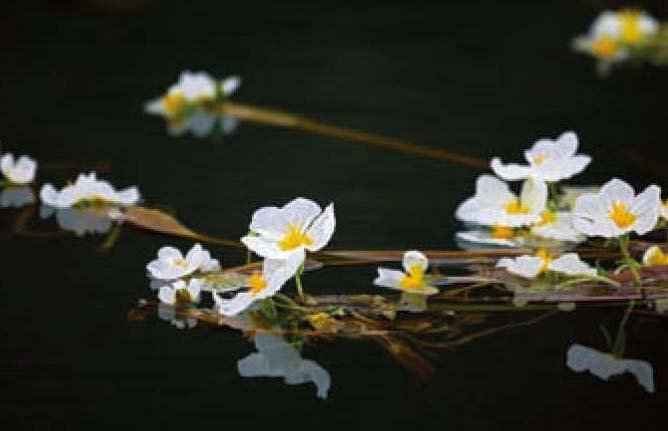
pixel 257 283
pixel 515 207
pixel 620 214
pixel 658 258
pixel 604 47
pixel 631 31
pixel 182 296
pixel 539 159
pixel 502 232
pixel 173 103
pixel 181 263
pixel 547 259
pixel 547 217
pixel 414 279
pixel 294 238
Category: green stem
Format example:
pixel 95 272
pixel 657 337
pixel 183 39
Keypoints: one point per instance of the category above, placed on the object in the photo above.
pixel 248 256
pixel 630 262
pixel 298 281
pixel 554 194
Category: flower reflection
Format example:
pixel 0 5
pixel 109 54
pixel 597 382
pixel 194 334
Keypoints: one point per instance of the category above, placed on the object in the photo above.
pixel 604 365
pixel 278 358
pixel 81 220
pixel 16 196
pixel 168 313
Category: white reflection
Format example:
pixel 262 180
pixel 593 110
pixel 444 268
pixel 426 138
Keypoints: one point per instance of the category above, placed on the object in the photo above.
pixel 604 365
pixel 81 220
pixel 278 358
pixel 202 123
pixel 16 196
pixel 168 314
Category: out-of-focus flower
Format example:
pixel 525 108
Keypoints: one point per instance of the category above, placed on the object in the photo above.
pixel 278 358
pixel 530 267
pixel 616 210
pixel 297 227
pixel 87 189
pixel 413 280
pixel 604 365
pixel 80 220
pixel 654 256
pixel 495 205
pixel 557 226
pixel 497 235
pixel 18 172
pixel 664 209
pixel 549 160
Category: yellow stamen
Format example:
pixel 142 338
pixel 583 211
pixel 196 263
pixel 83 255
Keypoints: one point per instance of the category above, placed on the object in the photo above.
pixel 539 159
pixel 631 31
pixel 173 103
pixel 182 296
pixel 502 232
pixel 547 217
pixel 257 283
pixel 515 207
pixel 294 238
pixel 604 47
pixel 414 279
pixel 181 263
pixel 547 259
pixel 620 214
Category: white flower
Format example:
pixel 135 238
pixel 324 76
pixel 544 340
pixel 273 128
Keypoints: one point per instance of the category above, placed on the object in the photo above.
pixel 616 210
pixel 275 273
pixel 494 203
pixel 81 221
pixel 197 86
pixel 497 236
pixel 88 189
pixel 529 267
pixel 604 365
pixel 230 85
pixel 180 293
pixel 171 264
pixel 16 196
pixel 557 226
pixel 549 160
pixel 19 172
pixel 277 358
pixel 413 280
pixel 298 226
pixel 654 256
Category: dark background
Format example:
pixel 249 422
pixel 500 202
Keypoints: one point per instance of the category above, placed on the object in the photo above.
pixel 480 78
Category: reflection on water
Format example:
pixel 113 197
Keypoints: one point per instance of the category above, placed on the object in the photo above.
pixel 16 196
pixel 168 313
pixel 276 357
pixel 605 365
pixel 81 220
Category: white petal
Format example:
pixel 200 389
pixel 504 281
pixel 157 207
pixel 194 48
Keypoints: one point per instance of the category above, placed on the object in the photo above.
pixel 389 278
pixel 49 195
pixel 616 191
pixel 510 172
pixel 167 295
pixel 129 196
pixel 534 195
pixel 571 264
pixel 235 305
pixel 646 206
pixel 524 266
pixel 231 84
pixel 322 229
pixel 268 222
pixel 301 212
pixel 265 248
pixel 196 256
pixel 415 258
pixel 492 191
pixel 169 252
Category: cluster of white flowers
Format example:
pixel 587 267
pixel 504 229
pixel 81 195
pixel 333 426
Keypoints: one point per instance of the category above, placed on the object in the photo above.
pixel 615 36
pixel 502 218
pixel 189 104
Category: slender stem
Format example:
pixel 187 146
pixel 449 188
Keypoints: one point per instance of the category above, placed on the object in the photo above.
pixel 298 281
pixel 554 193
pixel 248 256
pixel 630 262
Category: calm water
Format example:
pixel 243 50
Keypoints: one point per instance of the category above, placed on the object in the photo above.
pixel 468 77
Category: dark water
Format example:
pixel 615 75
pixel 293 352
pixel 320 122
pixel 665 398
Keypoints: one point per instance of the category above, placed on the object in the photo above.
pixel 471 77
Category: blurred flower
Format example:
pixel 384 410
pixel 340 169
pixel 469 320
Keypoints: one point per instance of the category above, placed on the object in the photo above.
pixel 654 256
pixel 604 365
pixel 171 264
pixel 180 292
pixel 664 209
pixel 413 280
pixel 87 189
pixel 529 267
pixel 277 358
pixel 275 273
pixel 16 196
pixel 300 225
pixel 494 203
pixel 616 210
pixel 18 172
pixel 549 160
